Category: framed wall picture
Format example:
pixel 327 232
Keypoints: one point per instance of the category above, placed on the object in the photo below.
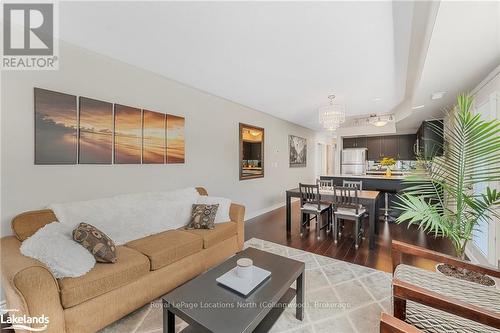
pixel 128 135
pixel 175 139
pixel 55 127
pixel 153 137
pixel 297 151
pixel 96 132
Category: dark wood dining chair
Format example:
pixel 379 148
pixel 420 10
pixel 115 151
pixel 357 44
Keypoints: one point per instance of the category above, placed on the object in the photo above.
pixel 326 184
pixel 311 204
pixel 353 183
pixel 346 206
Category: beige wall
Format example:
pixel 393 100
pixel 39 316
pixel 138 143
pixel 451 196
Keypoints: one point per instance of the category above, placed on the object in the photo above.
pixel 211 140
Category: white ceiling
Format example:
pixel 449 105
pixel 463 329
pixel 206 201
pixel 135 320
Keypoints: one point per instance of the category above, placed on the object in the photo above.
pixel 463 50
pixel 285 58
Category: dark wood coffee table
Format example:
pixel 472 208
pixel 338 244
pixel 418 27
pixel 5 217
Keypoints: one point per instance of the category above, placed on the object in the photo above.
pixel 210 307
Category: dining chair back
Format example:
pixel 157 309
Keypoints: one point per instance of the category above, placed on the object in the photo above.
pixel 326 184
pixel 309 194
pixel 346 197
pixel 353 183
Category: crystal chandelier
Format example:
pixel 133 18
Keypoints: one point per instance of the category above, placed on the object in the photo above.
pixel 332 115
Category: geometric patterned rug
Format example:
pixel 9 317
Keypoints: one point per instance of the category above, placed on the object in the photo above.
pixel 340 297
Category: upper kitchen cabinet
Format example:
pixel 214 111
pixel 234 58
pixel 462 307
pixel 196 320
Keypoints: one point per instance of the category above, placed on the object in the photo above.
pixel 430 139
pixel 389 146
pixel 359 142
pixel 399 147
pixel 349 143
pixel 407 147
pixel 374 145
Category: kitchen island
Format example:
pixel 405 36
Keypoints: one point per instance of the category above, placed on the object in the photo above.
pixel 382 183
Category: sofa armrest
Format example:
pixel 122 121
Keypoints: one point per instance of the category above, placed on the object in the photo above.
pixel 237 214
pixel 29 286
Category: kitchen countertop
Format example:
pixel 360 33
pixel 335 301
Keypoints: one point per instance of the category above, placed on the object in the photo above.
pixel 382 177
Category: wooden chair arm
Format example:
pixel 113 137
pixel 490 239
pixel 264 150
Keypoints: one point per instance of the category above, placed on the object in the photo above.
pixel 407 291
pixel 389 324
pixel 399 248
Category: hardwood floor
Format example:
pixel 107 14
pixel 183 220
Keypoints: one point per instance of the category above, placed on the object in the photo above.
pixel 271 227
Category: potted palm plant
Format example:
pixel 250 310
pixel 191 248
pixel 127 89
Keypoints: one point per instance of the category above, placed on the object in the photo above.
pixel 442 195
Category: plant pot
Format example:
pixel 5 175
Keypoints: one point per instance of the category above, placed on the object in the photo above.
pixel 452 271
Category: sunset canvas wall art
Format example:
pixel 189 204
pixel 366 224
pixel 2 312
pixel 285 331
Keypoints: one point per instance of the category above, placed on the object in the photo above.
pixel 96 132
pixel 55 127
pixel 128 135
pixel 153 144
pixel 175 139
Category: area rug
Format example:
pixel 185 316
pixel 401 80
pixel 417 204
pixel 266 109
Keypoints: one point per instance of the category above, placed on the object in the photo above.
pixel 340 296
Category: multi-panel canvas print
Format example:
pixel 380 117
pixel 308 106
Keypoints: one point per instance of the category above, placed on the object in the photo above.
pixel 128 135
pixel 175 139
pixel 55 127
pixel 153 142
pixel 81 130
pixel 96 132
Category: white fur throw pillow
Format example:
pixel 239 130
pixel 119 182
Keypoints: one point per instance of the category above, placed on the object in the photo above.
pixel 54 246
pixel 222 211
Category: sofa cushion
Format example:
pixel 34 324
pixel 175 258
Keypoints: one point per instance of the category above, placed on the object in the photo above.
pixel 222 231
pixel 104 277
pixel 167 247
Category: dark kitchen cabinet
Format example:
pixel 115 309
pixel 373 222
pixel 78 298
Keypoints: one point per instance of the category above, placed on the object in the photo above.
pixel 389 146
pixel 407 146
pixel 349 143
pixel 359 142
pixel 430 139
pixel 399 147
pixel 374 145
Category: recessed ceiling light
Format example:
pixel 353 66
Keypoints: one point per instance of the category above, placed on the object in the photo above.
pixel 418 107
pixel 378 99
pixel 438 95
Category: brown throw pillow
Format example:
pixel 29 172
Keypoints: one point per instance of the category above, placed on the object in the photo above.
pixel 96 241
pixel 203 217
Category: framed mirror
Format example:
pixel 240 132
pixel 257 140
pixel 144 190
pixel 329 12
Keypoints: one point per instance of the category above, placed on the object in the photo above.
pixel 251 152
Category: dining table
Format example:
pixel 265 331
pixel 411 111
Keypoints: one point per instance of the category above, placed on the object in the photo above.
pixel 368 198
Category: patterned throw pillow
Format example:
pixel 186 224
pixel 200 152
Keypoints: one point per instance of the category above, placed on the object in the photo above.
pixel 96 241
pixel 203 216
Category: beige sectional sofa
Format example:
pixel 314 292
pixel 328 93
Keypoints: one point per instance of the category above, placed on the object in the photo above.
pixel 146 269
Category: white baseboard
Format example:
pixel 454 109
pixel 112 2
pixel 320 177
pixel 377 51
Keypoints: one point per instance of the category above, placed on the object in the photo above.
pixel 259 212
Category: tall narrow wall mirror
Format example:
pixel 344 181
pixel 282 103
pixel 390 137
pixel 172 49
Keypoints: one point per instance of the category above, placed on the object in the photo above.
pixel 251 152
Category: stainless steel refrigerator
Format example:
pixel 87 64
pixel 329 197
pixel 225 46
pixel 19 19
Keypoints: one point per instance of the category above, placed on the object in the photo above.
pixel 354 161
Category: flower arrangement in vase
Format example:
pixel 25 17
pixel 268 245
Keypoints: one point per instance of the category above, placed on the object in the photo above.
pixel 388 162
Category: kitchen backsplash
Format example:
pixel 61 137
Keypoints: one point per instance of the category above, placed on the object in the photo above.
pixel 400 165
